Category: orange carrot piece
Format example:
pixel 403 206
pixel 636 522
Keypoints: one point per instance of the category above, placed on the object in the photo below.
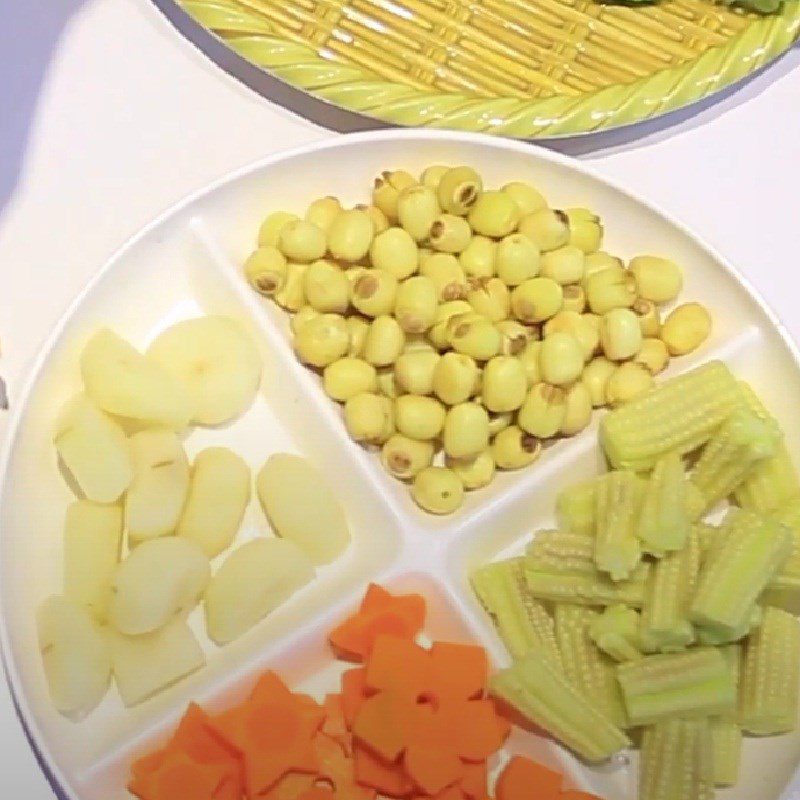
pixel 289 787
pixel 354 693
pixel 181 778
pixel 270 688
pixel 399 665
pixel 149 763
pixel 227 727
pixel 412 608
pixel 383 722
pixel 312 712
pixel 450 793
pixel 354 638
pixel 339 770
pixel 475 781
pixel 376 598
pixel 430 759
pixel 317 793
pixel 231 788
pixel 264 770
pixel 458 671
pixel 387 778
pixel 432 769
pixel 476 730
pixel 273 739
pixel 521 776
pixel 196 737
pixel 335 725
pixel 380 613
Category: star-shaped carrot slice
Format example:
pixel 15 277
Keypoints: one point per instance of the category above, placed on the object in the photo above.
pixel 430 759
pixel 458 671
pixel 477 730
pixel 398 665
pixel 180 778
pixel 339 770
pixel 317 793
pixel 475 781
pixel 450 793
pixel 270 689
pixel 388 778
pixel 195 736
pixel 354 693
pixel 380 613
pixel 335 725
pixel 520 774
pixel 290 786
pixel 273 739
pixel 382 723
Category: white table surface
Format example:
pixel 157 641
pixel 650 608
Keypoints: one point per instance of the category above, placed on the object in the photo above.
pixel 108 116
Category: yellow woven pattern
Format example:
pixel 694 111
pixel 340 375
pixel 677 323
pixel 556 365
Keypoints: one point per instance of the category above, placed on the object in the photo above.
pixel 518 67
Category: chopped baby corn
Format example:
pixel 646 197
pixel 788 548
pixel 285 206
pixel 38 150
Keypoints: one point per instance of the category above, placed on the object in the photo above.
pixel 542 694
pixel 522 621
pixel 680 415
pixel 770 674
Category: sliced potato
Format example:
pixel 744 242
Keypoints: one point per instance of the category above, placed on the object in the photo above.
pixel 255 579
pixel 219 492
pixel 122 381
pixel 94 449
pixel 156 498
pixel 145 665
pixel 92 541
pixel 158 580
pixel 76 656
pixel 302 508
pixel 216 361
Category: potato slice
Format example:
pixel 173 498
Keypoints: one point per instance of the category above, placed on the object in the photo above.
pixel 254 580
pixel 92 540
pixel 94 449
pixel 76 656
pixel 120 380
pixel 301 507
pixel 219 492
pixel 156 498
pixel 158 580
pixel 217 363
pixel 145 665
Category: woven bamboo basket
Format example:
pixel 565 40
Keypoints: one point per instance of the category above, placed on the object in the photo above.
pixel 522 68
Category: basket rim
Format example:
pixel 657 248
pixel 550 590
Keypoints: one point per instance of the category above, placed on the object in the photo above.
pixel 357 90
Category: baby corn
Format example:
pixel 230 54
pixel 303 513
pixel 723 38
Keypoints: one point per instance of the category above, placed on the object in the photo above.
pixel 679 415
pixel 589 670
pixel 736 572
pixel 741 442
pixel 664 522
pixel 560 567
pixel 770 673
pixel 618 498
pixel 543 695
pixel 698 682
pixel 677 761
pixel 665 616
pixel 522 621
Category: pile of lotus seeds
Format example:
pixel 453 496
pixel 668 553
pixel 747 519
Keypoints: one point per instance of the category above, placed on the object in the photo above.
pixel 461 326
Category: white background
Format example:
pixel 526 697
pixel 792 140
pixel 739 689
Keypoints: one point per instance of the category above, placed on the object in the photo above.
pixel 108 116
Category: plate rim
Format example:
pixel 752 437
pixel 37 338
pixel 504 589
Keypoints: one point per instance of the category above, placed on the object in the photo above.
pixel 606 109
pixel 47 763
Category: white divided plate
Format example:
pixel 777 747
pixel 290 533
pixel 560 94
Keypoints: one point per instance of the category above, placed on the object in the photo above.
pixel 186 263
